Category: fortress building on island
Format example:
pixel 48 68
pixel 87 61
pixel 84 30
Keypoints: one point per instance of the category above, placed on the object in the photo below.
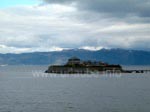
pixel 76 66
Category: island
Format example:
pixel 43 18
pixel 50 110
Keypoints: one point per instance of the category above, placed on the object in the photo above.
pixel 76 66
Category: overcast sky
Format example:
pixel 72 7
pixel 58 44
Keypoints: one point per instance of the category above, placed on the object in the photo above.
pixel 52 25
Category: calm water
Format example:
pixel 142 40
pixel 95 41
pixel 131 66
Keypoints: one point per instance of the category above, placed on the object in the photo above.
pixel 21 91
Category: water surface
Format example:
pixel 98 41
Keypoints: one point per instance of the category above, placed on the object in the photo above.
pixel 21 91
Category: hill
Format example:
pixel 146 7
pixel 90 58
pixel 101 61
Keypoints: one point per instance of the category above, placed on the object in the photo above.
pixel 112 56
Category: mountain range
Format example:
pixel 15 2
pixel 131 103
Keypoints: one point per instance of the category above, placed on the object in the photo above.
pixel 111 56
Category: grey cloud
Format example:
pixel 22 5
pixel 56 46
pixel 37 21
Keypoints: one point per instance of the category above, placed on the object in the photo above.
pixel 119 8
pixel 59 1
pixel 47 28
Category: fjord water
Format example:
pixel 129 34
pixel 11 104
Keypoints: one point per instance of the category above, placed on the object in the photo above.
pixel 22 91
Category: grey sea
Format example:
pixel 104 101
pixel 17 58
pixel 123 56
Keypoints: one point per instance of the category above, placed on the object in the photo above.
pixel 28 89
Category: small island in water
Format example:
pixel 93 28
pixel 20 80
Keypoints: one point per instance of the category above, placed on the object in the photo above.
pixel 76 66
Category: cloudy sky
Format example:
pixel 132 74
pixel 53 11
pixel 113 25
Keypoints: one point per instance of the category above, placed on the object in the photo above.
pixel 50 25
